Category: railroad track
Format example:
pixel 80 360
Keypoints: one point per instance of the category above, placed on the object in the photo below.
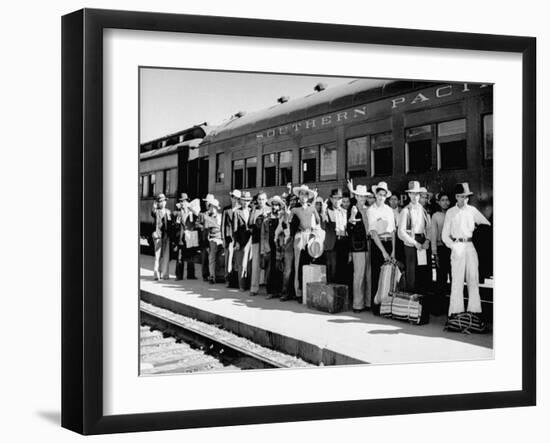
pixel 172 343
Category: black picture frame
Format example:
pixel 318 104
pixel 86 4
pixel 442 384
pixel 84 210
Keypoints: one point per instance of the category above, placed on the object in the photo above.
pixel 82 259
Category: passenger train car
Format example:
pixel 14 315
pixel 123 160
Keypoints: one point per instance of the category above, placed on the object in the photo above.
pixel 367 130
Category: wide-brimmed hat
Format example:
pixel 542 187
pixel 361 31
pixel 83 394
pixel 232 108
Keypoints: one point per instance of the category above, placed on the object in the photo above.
pixel 209 197
pixel 245 196
pixel 235 193
pixel 361 191
pixel 214 202
pixel 276 200
pixel 183 197
pixel 161 198
pixel 463 189
pixel 381 185
pixel 316 244
pixel 303 188
pixel 414 188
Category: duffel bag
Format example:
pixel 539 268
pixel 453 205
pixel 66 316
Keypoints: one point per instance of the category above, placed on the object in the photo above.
pixel 466 322
pixel 408 307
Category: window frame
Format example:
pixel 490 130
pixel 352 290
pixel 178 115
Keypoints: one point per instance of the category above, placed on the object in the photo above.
pixel 317 164
pixel 418 139
pixel 373 149
pixel 358 167
pixel 450 139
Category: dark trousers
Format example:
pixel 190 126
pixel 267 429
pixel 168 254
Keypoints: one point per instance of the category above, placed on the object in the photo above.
pixel 440 303
pixel 418 278
pixel 288 272
pixel 273 275
pixel 336 261
pixel 184 255
pixel 377 260
pixel 204 262
pixel 244 281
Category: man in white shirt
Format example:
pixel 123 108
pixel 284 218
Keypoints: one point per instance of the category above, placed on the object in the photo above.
pixel 381 224
pixel 414 229
pixel 458 229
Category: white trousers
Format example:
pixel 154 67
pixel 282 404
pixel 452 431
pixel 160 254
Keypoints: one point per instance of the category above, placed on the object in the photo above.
pixel 162 257
pixel 464 266
pixel 361 280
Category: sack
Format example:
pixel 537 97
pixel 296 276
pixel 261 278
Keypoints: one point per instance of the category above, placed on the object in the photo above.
pixel 330 298
pixel 156 235
pixel 312 273
pixel 466 322
pixel 191 239
pixel 406 307
pixel 390 275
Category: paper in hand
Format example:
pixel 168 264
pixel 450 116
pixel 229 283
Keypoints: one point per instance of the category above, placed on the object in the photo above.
pixel 421 256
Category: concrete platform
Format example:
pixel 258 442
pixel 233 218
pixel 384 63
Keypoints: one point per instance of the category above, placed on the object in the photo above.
pixel 320 338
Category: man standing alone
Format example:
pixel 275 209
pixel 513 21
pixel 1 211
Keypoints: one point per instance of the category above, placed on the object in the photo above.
pixel 458 229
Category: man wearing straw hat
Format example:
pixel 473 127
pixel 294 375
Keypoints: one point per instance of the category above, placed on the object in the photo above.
pixel 414 231
pixel 304 219
pixel 257 217
pixel 241 240
pixel 381 223
pixel 162 219
pixel 185 219
pixel 358 232
pixel 212 223
pixel 458 229
pixel 271 252
pixel 228 236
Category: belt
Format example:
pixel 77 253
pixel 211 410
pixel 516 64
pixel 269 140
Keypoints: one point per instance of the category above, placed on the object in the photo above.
pixel 339 237
pixel 462 240
pixel 387 238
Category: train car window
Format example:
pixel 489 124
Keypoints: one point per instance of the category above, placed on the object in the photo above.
pixel 328 162
pixel 145 186
pixel 381 153
pixel 309 164
pixel 418 149
pixel 166 184
pixel 357 157
pixel 219 171
pixel 152 185
pixel 451 145
pixel 270 170
pixel 285 167
pixel 238 174
pixel 251 166
pixel 488 136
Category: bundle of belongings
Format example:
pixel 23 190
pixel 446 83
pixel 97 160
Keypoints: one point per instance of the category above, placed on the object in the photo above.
pixel 407 307
pixel 466 322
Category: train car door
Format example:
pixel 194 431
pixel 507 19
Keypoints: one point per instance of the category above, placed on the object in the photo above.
pixel 204 163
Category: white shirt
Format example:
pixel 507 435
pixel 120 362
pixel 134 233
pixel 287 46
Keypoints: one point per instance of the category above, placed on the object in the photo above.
pixel 381 219
pixel 461 222
pixel 338 216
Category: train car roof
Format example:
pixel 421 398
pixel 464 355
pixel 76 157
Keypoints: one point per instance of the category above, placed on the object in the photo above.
pixel 355 92
pixel 191 144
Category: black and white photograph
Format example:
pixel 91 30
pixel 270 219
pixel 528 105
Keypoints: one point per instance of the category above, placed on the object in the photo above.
pixel 295 221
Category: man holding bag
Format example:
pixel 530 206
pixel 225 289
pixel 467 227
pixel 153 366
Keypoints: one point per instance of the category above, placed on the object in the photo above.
pixel 187 239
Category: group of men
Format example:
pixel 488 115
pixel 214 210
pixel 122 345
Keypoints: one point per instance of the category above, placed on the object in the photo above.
pixel 269 240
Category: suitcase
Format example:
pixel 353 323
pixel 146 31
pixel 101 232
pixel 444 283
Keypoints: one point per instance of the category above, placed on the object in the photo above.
pixel 390 276
pixel 310 274
pixel 406 307
pixel 325 297
pixel 466 322
pixel 220 265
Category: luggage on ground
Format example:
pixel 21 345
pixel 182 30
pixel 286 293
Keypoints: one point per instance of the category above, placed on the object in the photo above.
pixel 406 307
pixel 310 274
pixel 390 276
pixel 330 297
pixel 466 322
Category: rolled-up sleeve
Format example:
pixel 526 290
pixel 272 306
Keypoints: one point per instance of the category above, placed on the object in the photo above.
pixel 446 232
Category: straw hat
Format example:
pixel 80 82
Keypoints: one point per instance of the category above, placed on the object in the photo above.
pixel 246 196
pixel 235 193
pixel 161 198
pixel 214 202
pixel 303 188
pixel 414 188
pixel 209 197
pixel 316 244
pixel 276 200
pixel 183 197
pixel 361 191
pixel 381 185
